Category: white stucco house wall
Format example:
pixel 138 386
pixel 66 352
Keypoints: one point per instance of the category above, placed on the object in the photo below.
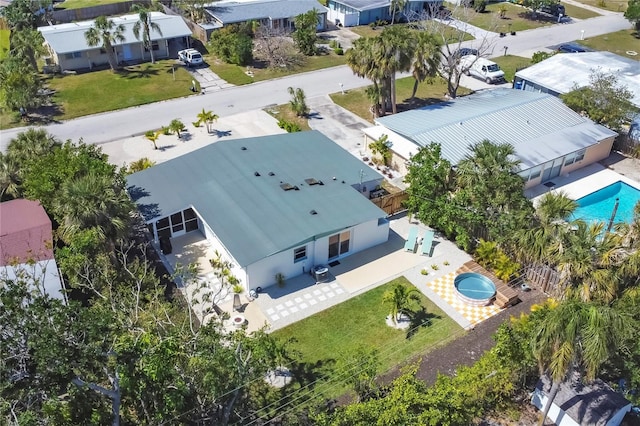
pixel 273 204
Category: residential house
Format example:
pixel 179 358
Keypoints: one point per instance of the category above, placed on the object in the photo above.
pixel 68 48
pixel 273 204
pixel 576 404
pixel 26 246
pixel 549 138
pixel 563 72
pixel 351 13
pixel 273 14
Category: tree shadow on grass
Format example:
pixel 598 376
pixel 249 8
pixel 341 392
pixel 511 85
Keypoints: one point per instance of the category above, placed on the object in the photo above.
pixel 420 319
pixel 45 114
pixel 145 72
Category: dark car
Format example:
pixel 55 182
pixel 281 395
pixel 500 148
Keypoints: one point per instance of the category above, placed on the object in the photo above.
pixel 465 51
pixel 572 48
pixel 553 9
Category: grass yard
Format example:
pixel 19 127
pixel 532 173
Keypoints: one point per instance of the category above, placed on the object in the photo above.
pixel 612 5
pixel 99 91
pixel 357 102
pixel 367 31
pixel 78 4
pixel 517 18
pixel 619 43
pixel 327 337
pixel 510 64
pixel 579 12
pixel 284 112
pixel 236 74
pixel 4 43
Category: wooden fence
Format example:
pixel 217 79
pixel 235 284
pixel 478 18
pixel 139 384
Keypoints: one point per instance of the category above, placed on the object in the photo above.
pixel 391 203
pixel 543 277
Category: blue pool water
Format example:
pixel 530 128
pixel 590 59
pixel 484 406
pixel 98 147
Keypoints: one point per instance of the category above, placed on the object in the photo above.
pixel 599 205
pixel 475 286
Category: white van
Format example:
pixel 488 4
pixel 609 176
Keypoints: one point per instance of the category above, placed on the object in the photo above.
pixel 481 68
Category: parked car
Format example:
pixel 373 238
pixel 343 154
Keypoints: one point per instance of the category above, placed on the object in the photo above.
pixel 555 9
pixel 572 48
pixel 481 68
pixel 465 51
pixel 190 57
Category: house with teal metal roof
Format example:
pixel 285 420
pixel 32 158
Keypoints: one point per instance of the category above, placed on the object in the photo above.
pixel 273 204
pixel 548 137
pixel 350 13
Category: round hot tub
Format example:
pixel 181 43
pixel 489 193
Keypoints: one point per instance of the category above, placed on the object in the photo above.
pixel 474 289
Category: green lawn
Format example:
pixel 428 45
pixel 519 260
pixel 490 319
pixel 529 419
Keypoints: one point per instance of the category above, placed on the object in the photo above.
pixel 4 43
pixel 579 12
pixel 357 102
pixel 78 4
pixel 235 74
pixel 510 64
pixel 100 91
pixel 517 18
pixel 619 43
pixel 613 5
pixel 326 337
pixel 284 112
pixel 367 31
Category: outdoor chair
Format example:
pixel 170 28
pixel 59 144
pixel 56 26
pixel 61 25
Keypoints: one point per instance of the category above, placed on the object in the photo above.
pixel 427 242
pixel 410 245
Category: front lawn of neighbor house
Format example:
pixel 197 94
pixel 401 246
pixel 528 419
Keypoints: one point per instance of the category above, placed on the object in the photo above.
pixel 579 12
pixel 449 33
pixel 326 338
pixel 510 64
pixel 516 18
pixel 356 100
pixel 612 5
pixel 619 43
pixel 100 91
pixel 79 4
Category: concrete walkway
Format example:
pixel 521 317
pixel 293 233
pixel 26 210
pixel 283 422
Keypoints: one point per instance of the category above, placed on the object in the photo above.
pixel 591 8
pixel 477 32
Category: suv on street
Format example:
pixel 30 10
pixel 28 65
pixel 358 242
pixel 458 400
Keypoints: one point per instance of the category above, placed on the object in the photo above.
pixel 190 57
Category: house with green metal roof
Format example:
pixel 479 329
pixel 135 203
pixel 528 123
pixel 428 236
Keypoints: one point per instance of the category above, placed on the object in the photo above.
pixel 273 204
pixel 548 137
pixel 350 13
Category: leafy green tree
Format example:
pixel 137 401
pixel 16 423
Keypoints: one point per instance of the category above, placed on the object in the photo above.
pixel 298 102
pixel 399 299
pixel 19 84
pixel 233 44
pixel 304 35
pixel 536 5
pixel 208 118
pixel 144 26
pixel 177 126
pixel 633 13
pixel 105 33
pixel 19 15
pixel 604 100
pixel 426 59
pixel 540 56
pixel 576 337
pixel 28 44
pixel 9 178
pixel 381 147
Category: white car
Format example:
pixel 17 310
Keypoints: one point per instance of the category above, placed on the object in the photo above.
pixel 190 57
pixel 481 68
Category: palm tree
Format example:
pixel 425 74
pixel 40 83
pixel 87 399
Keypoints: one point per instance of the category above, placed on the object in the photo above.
pixel 30 145
pixel 394 55
pixel 153 137
pixel 555 206
pixel 92 201
pixel 399 299
pixel 298 102
pixel 396 6
pixel 176 126
pixel 207 117
pixel 360 58
pixel 485 160
pixel 426 58
pixel 106 33
pixel 28 44
pixel 9 178
pixel 146 25
pixel 575 336
pixel 381 147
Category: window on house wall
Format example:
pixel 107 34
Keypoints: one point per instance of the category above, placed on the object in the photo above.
pixel 300 254
pixel 177 223
pixel 339 244
pixel 580 155
pixel 162 228
pixel 73 55
pixel 190 220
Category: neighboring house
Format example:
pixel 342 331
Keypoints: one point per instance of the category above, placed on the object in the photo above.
pixel 270 13
pixel 350 13
pixel 69 50
pixel 576 404
pixel 26 246
pixel 562 72
pixel 273 204
pixel 548 137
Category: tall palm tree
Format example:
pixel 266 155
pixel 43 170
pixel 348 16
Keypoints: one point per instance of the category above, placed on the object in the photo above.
pixel 361 59
pixel 426 58
pixel 207 117
pixel 146 25
pixel 29 44
pixel 176 126
pixel 93 201
pixel 31 144
pixel 106 33
pixel 9 178
pixel 396 6
pixel 394 55
pixel 575 337
pixel 399 299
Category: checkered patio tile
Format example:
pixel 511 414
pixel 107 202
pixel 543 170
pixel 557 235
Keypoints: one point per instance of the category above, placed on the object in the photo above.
pixel 444 288
pixel 304 300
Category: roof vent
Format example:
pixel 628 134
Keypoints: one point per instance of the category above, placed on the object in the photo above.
pixel 312 181
pixel 320 183
pixel 256 174
pixel 313 212
pixel 271 174
pixel 286 186
pixel 296 188
pixel 342 181
pixel 244 148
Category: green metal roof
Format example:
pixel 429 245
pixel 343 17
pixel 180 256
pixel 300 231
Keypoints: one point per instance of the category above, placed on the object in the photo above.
pixel 253 216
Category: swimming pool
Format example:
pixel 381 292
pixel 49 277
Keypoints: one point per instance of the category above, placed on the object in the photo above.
pixel 599 205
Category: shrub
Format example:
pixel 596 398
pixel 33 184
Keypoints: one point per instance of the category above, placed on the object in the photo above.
pixel 480 6
pixel 288 126
pixel 339 51
pixel 233 45
pixel 139 165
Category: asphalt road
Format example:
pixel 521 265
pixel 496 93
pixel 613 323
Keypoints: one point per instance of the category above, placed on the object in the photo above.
pixel 106 127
